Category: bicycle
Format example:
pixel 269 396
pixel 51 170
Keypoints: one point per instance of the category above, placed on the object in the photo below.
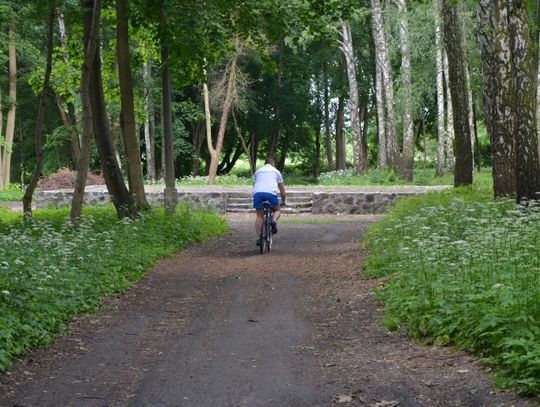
pixel 265 238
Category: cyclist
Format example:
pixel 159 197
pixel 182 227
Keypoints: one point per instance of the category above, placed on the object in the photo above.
pixel 266 184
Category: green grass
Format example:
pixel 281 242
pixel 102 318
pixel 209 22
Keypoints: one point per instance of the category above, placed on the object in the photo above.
pixel 464 270
pixel 51 271
pixel 11 193
pixel 373 177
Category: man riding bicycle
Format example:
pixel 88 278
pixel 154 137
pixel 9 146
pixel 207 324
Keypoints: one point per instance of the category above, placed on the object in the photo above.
pixel 266 184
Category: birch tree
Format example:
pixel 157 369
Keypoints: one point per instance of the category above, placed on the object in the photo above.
pixel 383 59
pixel 458 95
pixel 346 46
pixel 407 161
pixel 450 130
pixel 6 142
pixel 441 131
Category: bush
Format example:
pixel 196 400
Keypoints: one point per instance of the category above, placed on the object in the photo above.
pixel 464 270
pixel 12 193
pixel 64 178
pixel 49 271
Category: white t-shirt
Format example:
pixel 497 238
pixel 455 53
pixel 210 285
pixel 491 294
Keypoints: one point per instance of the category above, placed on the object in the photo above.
pixel 266 179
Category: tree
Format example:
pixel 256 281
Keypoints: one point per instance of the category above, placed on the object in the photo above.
pixel 120 196
pixel 38 137
pixel 127 115
pixel 408 136
pixel 6 142
pixel 441 132
pixel 91 27
pixel 170 194
pixel 509 110
pixel 458 92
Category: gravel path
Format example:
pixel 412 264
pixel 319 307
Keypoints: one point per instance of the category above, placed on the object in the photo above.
pixel 220 325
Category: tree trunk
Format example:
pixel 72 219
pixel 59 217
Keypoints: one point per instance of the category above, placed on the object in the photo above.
pixel 498 77
pixel 341 156
pixel 383 59
pixel 245 146
pixel 227 105
pixel 327 132
pixel 472 125
pixel 127 105
pixel 537 75
pixel 277 108
pixel 5 170
pixel 441 131
pixel 346 45
pixel 91 18
pixel 382 161
pixel 458 92
pixel 407 161
pixel 170 193
pixel 148 134
pixel 120 196
pixel 450 130
pixel 527 161
pixel 38 136
pixel 477 155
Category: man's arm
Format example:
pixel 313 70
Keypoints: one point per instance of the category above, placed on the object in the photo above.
pixel 282 192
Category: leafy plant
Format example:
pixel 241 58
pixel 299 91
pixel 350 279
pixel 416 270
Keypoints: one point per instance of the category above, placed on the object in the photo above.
pixel 465 270
pixel 49 270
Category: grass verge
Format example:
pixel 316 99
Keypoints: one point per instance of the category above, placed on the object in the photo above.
pixel 464 270
pixel 51 271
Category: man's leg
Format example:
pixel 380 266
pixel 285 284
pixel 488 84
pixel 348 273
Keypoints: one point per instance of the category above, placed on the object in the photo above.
pixel 259 221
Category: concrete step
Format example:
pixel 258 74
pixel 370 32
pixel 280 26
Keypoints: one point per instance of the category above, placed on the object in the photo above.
pixel 249 205
pixel 285 210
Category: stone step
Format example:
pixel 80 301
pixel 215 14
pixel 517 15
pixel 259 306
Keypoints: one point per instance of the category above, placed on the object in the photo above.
pixel 249 195
pixel 249 205
pixel 294 202
pixel 285 210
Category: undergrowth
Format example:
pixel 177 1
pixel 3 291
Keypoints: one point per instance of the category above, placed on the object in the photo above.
pixel 465 270
pixel 50 271
pixel 12 193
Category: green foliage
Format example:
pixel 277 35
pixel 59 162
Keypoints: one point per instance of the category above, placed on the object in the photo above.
pixel 49 270
pixel 464 270
pixel 12 193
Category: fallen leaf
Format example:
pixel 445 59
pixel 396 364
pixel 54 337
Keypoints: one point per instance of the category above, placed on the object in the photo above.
pixel 342 398
pixel 385 403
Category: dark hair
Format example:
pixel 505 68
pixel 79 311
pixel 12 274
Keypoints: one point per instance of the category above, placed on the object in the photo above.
pixel 270 161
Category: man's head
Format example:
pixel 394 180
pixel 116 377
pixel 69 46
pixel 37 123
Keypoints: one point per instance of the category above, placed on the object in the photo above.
pixel 270 161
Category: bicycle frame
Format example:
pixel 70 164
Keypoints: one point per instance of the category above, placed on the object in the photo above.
pixel 266 229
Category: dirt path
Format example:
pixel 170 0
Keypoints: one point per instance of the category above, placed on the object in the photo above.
pixel 220 325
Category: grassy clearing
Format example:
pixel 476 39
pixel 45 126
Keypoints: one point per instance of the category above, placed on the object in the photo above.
pixel 374 177
pixel 50 271
pixel 465 270
pixel 11 193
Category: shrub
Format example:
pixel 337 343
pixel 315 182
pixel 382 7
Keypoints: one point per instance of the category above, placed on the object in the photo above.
pixel 465 270
pixel 49 270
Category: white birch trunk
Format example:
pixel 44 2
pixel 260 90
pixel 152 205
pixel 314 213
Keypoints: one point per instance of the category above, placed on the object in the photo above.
pixel 408 131
pixel 381 53
pixel 381 122
pixel 450 133
pixel 471 113
pixel 347 48
pixel 148 139
pixel 441 132
pixel 10 123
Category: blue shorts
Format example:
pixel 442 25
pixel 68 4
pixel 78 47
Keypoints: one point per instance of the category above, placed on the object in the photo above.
pixel 261 197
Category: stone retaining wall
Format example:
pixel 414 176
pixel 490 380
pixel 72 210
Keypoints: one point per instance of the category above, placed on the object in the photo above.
pixel 350 202
pixel 355 202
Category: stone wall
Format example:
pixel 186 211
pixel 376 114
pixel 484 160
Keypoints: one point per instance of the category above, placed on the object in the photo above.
pixel 355 202
pixel 57 199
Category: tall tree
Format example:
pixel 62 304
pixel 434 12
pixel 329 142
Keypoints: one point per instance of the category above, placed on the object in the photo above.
pixel 120 196
pixel 149 139
pixel 346 45
pixel 383 59
pixel 127 116
pixel 229 78
pixel 327 131
pixel 441 130
pixel 527 161
pixel 38 136
pixel 450 128
pixel 341 156
pixel 6 147
pixel 498 92
pixel 458 92
pixel 91 18
pixel 408 133
pixel 170 193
